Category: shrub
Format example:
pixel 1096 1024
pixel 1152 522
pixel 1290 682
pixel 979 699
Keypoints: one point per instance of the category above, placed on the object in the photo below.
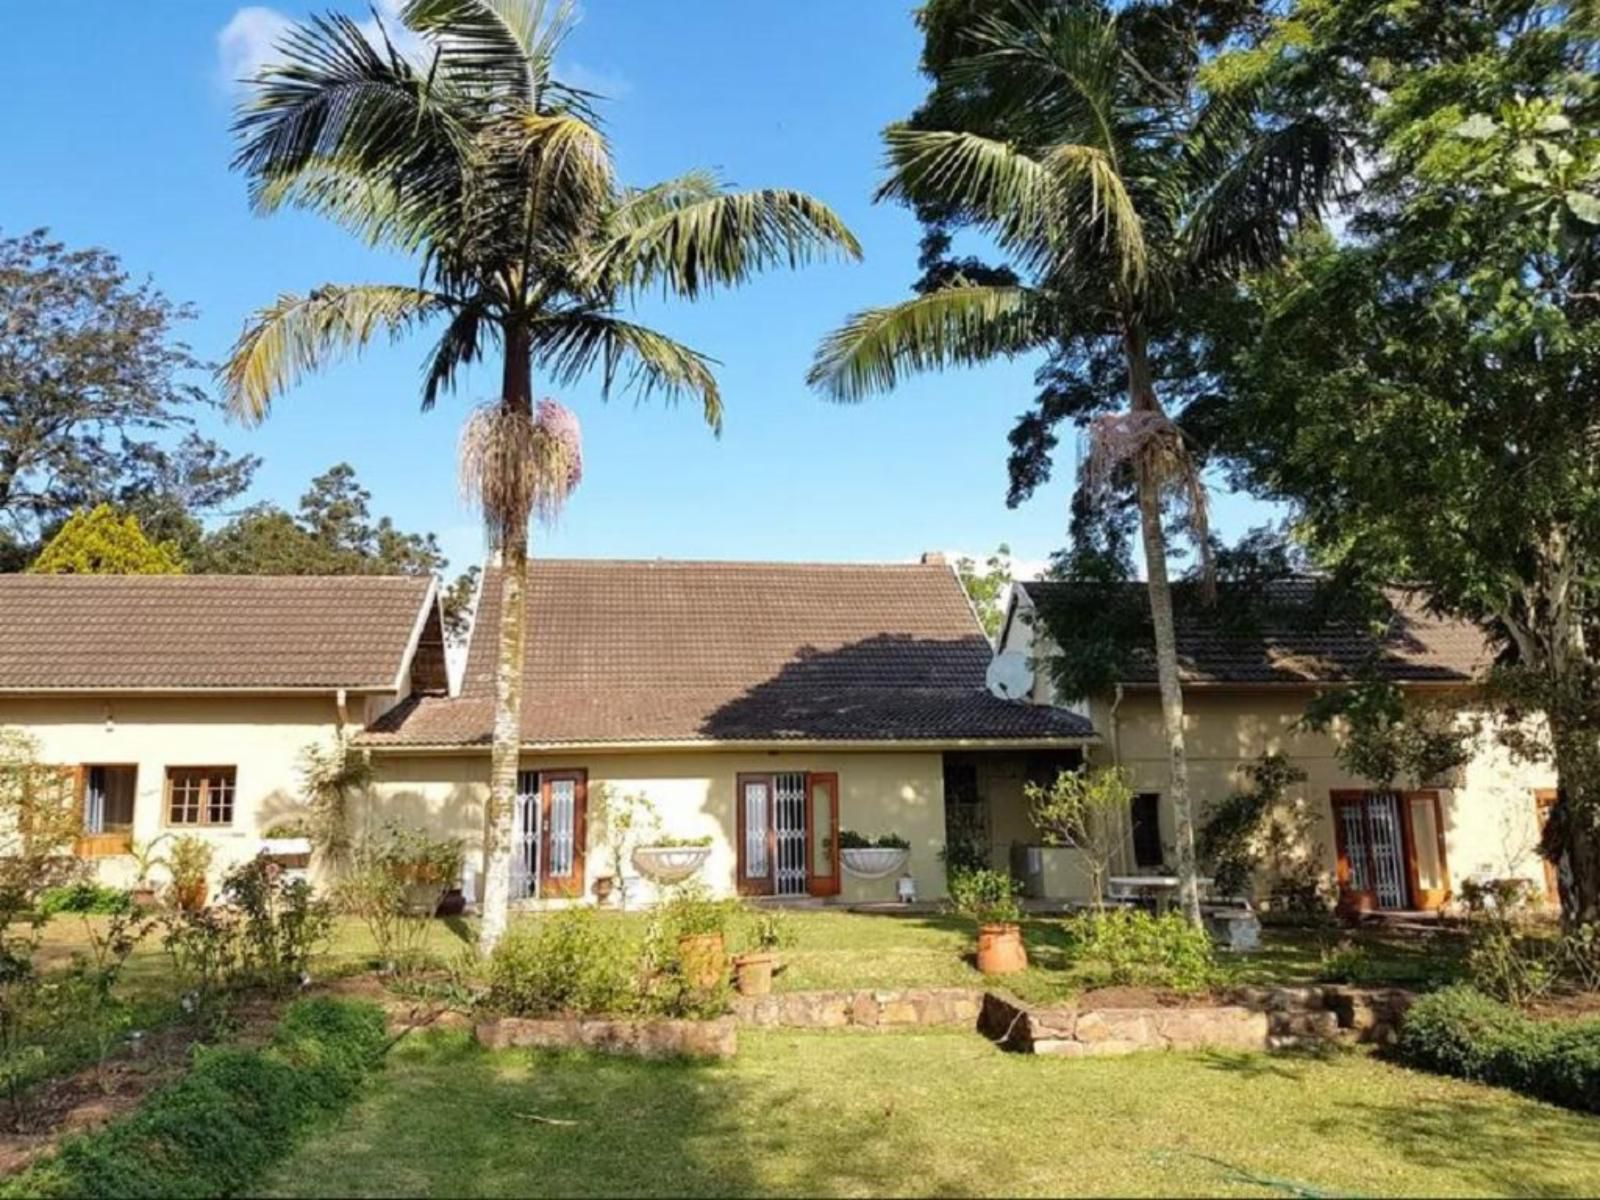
pixel 985 896
pixel 566 963
pixel 1580 956
pixel 281 923
pixel 238 1111
pixel 1131 948
pixel 84 897
pixel 394 885
pixel 849 839
pixel 1462 1032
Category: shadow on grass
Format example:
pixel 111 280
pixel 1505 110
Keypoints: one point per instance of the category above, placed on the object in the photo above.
pixel 1487 1143
pixel 452 1119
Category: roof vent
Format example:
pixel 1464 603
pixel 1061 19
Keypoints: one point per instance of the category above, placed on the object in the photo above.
pixel 934 558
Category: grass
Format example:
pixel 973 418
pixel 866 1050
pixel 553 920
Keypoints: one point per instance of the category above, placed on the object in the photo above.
pixel 932 1113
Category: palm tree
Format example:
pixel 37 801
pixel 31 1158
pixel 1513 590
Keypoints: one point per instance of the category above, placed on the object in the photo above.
pixel 1114 185
pixel 474 158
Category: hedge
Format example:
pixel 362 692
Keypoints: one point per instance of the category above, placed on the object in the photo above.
pixel 1462 1032
pixel 235 1114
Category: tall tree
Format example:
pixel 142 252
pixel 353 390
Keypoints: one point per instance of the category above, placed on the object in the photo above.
pixel 102 541
pixel 1086 143
pixel 1425 391
pixel 94 384
pixel 478 160
pixel 987 587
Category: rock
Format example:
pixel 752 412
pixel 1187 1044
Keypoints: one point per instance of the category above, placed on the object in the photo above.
pixel 1136 1026
pixel 657 1038
pixel 1231 1026
pixel 1060 1048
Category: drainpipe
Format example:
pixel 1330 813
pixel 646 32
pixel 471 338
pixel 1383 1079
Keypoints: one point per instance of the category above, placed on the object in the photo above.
pixel 342 702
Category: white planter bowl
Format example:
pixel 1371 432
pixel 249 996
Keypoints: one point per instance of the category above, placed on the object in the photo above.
pixel 670 864
pixel 874 862
pixel 285 846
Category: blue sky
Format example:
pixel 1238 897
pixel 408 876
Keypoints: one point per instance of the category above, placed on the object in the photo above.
pixel 116 135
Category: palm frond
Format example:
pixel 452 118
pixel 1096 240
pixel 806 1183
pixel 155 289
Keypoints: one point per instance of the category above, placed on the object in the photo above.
pixel 1111 213
pixel 958 326
pixel 1278 179
pixel 639 206
pixel 571 343
pixel 693 246
pixel 496 49
pixel 997 185
pixel 460 345
pixel 342 127
pixel 298 334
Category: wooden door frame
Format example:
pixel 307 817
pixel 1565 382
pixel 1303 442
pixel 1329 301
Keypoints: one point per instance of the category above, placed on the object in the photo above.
pixel 567 886
pixel 1409 833
pixel 1545 799
pixel 818 885
pixel 744 885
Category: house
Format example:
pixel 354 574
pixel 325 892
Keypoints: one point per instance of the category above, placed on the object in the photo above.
pixel 1246 684
pixel 182 704
pixel 761 705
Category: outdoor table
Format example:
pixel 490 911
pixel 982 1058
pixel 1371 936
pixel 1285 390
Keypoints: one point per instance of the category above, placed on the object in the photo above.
pixel 1161 889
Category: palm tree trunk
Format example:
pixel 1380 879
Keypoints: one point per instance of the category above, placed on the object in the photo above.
pixel 499 813
pixel 1142 398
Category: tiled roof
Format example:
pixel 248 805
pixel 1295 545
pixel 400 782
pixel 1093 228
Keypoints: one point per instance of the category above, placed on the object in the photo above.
pixel 1284 644
pixel 110 632
pixel 703 651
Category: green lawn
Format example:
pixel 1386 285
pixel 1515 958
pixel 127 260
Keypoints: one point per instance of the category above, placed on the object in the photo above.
pixel 943 1113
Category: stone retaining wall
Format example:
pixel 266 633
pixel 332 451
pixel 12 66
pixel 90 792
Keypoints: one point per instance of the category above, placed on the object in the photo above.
pixel 653 1038
pixel 1258 1019
pixel 861 1009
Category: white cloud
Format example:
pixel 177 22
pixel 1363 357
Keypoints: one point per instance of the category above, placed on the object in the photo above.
pixel 249 41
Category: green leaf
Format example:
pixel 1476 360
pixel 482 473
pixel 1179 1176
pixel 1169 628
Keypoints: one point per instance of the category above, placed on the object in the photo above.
pixel 1553 123
pixel 1479 127
pixel 1585 207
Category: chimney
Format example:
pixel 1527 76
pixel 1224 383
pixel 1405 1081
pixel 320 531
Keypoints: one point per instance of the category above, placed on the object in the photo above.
pixel 933 558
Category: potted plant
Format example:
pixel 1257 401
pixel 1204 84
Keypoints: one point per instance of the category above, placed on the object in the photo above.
pixel 872 858
pixel 669 860
pixel 146 860
pixel 699 924
pixel 768 932
pixel 288 843
pixel 188 862
pixel 989 898
pixel 623 819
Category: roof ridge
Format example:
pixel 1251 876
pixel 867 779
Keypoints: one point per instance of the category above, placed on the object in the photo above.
pixel 734 562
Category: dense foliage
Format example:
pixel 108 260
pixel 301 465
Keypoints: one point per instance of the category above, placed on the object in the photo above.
pixel 1422 390
pixel 100 541
pixel 1461 1032
pixel 236 1113
pixel 1131 948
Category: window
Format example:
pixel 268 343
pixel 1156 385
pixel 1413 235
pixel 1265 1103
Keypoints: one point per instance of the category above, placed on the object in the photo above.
pixel 108 798
pixel 1146 819
pixel 200 795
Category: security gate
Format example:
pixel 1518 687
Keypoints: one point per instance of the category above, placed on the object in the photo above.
pixel 525 839
pixel 789 824
pixel 549 833
pixel 1391 852
pixel 788 833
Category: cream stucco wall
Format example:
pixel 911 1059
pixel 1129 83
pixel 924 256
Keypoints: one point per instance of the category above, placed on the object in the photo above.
pixel 693 792
pixel 1489 816
pixel 260 736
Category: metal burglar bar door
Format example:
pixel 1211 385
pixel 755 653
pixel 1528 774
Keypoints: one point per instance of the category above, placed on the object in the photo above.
pixel 789 822
pixel 525 838
pixel 1383 813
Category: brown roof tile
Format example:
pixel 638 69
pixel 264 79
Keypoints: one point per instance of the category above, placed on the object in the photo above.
pixel 111 632
pixel 1284 646
pixel 707 651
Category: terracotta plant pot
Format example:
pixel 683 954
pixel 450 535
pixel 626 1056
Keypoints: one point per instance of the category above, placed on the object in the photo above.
pixel 604 885
pixel 1357 904
pixel 752 973
pixel 144 896
pixel 190 897
pixel 1000 949
pixel 705 960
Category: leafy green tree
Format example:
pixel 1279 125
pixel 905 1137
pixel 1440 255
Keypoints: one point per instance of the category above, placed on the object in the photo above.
pixel 102 541
pixel 987 588
pixel 496 175
pixel 1119 188
pixel 94 386
pixel 1424 391
pixel 1087 810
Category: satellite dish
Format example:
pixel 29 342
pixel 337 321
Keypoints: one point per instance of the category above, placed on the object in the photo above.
pixel 1009 676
